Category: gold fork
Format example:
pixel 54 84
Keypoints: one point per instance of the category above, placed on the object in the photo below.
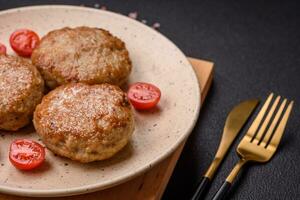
pixel 261 140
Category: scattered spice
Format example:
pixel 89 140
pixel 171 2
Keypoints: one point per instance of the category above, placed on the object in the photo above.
pixel 103 8
pixel 133 15
pixel 156 25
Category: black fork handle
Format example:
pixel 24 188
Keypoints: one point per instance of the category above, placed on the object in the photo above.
pixel 223 191
pixel 201 188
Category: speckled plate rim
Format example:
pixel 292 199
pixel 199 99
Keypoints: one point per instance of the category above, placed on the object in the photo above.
pixel 131 174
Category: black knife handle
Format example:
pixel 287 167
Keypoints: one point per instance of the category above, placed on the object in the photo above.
pixel 201 188
pixel 223 191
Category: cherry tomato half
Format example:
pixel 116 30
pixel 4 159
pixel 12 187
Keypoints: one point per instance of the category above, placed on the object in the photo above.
pixel 2 49
pixel 26 154
pixel 143 95
pixel 23 41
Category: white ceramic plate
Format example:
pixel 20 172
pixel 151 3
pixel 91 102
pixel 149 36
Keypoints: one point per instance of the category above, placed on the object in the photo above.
pixel 158 132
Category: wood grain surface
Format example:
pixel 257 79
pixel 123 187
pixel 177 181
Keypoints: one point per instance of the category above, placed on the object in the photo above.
pixel 151 184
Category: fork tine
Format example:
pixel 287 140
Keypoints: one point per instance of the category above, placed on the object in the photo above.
pixel 254 126
pixel 263 127
pixel 274 123
pixel 280 129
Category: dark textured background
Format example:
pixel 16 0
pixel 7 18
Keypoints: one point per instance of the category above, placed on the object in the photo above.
pixel 256 49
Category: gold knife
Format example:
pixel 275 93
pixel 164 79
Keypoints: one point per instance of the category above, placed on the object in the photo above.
pixel 235 120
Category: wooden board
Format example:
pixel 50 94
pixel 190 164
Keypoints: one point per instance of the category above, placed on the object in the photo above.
pixel 151 184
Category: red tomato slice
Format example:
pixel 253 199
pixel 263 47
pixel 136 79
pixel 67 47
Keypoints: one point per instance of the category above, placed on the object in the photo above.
pixel 26 154
pixel 23 41
pixel 143 96
pixel 2 49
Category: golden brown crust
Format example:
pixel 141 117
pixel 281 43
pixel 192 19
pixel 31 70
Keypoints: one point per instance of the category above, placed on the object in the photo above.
pixel 82 54
pixel 21 89
pixel 84 122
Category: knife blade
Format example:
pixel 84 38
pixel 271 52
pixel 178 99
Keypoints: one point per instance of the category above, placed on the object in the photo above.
pixel 235 120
